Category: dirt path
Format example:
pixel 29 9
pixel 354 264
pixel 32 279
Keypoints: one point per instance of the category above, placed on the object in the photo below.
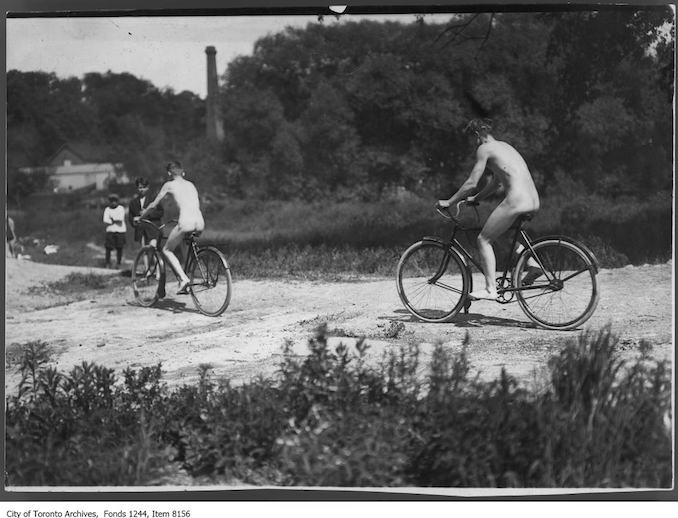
pixel 246 340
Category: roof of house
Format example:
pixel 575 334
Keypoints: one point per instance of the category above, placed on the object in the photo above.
pixel 87 151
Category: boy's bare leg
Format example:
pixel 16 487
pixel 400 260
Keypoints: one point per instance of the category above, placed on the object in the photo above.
pixel 531 263
pixel 175 237
pixel 499 221
pixel 533 270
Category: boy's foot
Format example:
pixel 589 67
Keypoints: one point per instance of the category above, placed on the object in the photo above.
pixel 533 273
pixel 183 288
pixel 482 295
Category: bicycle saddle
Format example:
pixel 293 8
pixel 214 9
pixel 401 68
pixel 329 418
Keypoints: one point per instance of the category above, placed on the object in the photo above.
pixel 192 235
pixel 523 218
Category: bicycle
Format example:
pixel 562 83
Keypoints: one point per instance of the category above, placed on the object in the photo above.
pixel 434 277
pixel 210 283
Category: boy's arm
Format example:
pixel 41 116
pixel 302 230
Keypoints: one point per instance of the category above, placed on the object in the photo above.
pixel 490 187
pixel 471 184
pixel 165 189
pixel 107 217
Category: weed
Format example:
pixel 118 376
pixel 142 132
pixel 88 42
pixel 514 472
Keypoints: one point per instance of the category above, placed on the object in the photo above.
pixel 331 419
pixel 339 239
pixel 394 329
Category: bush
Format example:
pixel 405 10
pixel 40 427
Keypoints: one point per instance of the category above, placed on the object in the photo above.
pixel 81 428
pixel 331 419
pixel 639 230
pixel 332 238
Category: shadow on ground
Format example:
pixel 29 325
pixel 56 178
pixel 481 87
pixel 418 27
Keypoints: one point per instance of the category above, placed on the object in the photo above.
pixel 463 320
pixel 171 305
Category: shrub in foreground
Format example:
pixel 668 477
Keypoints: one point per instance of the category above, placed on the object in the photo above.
pixel 333 419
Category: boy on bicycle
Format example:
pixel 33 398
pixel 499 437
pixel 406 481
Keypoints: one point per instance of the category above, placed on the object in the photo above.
pixel 510 170
pixel 190 218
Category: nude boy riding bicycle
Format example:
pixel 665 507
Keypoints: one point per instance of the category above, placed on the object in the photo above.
pixel 510 171
pixel 190 218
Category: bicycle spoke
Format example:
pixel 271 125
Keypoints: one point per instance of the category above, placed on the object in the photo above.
pixel 449 288
pixel 571 276
pixel 210 282
pixel 570 297
pixel 430 301
pixel 145 277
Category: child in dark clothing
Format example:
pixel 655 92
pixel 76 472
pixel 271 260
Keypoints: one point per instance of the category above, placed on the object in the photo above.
pixel 143 198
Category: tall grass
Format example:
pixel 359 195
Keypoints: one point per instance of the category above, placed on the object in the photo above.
pixel 332 419
pixel 276 238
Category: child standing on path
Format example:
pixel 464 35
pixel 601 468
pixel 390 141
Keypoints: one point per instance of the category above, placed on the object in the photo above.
pixel 114 219
pixel 136 206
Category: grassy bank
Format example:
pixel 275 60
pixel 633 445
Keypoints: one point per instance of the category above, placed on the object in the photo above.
pixel 326 238
pixel 329 419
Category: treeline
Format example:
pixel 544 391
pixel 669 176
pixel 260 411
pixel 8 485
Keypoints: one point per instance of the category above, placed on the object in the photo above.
pixel 351 109
pixel 585 96
pixel 128 119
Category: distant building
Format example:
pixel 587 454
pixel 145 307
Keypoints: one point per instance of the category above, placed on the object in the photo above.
pixel 77 165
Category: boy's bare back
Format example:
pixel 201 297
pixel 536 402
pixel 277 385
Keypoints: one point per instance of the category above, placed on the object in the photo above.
pixel 512 172
pixel 185 195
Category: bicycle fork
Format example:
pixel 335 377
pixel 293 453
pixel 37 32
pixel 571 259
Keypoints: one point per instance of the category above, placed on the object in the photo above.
pixel 441 270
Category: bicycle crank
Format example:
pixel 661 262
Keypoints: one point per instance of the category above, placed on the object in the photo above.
pixel 503 296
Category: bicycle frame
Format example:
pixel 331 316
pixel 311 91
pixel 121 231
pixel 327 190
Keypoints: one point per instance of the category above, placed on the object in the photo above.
pixel 192 253
pixel 519 233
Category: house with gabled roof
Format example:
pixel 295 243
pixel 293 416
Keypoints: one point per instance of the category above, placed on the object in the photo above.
pixel 76 165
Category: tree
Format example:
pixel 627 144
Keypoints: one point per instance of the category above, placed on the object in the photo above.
pixel 20 185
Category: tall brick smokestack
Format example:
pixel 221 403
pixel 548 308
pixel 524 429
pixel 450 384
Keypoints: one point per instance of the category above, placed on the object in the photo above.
pixel 215 129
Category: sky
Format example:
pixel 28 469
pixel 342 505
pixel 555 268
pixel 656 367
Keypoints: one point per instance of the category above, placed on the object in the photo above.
pixel 168 51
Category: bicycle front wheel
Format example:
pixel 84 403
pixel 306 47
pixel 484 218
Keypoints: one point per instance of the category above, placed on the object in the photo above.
pixel 432 281
pixel 147 272
pixel 211 282
pixel 564 294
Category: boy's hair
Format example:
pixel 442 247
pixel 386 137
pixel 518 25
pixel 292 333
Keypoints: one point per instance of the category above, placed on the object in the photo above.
pixel 481 127
pixel 141 182
pixel 173 164
pixel 113 196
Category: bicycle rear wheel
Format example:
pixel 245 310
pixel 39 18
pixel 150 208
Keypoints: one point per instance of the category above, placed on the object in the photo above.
pixel 211 283
pixel 147 272
pixel 565 295
pixel 432 281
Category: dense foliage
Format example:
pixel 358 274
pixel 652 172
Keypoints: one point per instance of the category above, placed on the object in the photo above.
pixel 351 109
pixel 362 106
pixel 128 119
pixel 329 239
pixel 333 419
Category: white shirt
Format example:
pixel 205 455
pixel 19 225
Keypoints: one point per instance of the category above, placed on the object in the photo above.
pixel 117 214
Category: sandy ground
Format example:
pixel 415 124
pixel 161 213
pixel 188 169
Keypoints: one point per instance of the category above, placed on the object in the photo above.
pixel 246 341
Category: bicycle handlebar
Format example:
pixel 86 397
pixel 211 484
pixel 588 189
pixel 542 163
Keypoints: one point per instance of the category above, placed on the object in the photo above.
pixel 156 229
pixel 150 223
pixel 445 211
